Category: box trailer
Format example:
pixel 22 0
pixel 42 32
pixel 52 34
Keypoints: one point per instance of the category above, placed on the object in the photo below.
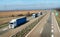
pixel 17 22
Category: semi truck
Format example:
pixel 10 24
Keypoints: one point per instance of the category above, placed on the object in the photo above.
pixel 34 15
pixel 17 22
pixel 40 13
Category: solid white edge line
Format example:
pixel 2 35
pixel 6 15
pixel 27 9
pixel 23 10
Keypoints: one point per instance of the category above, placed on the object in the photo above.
pixel 52 35
pixel 32 30
pixel 41 30
pixel 58 28
pixel 57 24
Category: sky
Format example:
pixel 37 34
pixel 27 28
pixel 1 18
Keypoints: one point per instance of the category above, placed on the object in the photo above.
pixel 28 4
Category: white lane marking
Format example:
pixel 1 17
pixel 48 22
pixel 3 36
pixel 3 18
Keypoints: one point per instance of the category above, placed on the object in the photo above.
pixel 41 30
pixel 33 28
pixel 58 26
pixel 52 35
pixel 52 30
pixel 52 27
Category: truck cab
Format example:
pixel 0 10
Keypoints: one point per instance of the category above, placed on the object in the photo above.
pixel 12 23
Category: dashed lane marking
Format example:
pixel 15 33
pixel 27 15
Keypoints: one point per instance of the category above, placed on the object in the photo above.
pixel 52 30
pixel 52 27
pixel 52 35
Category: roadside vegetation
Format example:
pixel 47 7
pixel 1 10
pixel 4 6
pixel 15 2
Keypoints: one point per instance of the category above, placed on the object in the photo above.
pixel 25 31
pixel 4 21
pixel 3 25
pixel 6 16
pixel 58 18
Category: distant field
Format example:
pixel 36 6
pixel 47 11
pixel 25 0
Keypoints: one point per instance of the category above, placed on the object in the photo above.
pixel 15 13
pixel 6 16
pixel 5 20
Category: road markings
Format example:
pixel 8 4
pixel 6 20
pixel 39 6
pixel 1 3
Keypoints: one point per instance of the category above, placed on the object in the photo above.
pixel 35 27
pixel 57 24
pixel 52 30
pixel 52 27
pixel 41 30
pixel 32 30
pixel 52 35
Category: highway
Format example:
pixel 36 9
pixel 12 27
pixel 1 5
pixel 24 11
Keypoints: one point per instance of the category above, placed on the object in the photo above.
pixel 35 32
pixel 56 30
pixel 51 29
pixel 7 30
pixel 47 27
pixel 11 32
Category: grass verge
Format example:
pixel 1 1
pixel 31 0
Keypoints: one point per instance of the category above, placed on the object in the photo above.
pixel 3 25
pixel 58 17
pixel 58 20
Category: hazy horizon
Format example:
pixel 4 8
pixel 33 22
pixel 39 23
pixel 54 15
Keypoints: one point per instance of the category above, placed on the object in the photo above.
pixel 28 4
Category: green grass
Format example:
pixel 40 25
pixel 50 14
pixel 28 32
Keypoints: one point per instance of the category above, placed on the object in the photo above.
pixel 58 18
pixel 3 25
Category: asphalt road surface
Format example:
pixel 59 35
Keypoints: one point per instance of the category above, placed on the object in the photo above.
pixel 6 29
pixel 55 29
pixel 49 28
pixel 35 32
pixel 11 32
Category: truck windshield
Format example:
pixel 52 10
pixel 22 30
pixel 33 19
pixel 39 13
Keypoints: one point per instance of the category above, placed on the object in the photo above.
pixel 11 23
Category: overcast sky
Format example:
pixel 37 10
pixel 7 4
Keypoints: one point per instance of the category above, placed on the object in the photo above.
pixel 28 4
